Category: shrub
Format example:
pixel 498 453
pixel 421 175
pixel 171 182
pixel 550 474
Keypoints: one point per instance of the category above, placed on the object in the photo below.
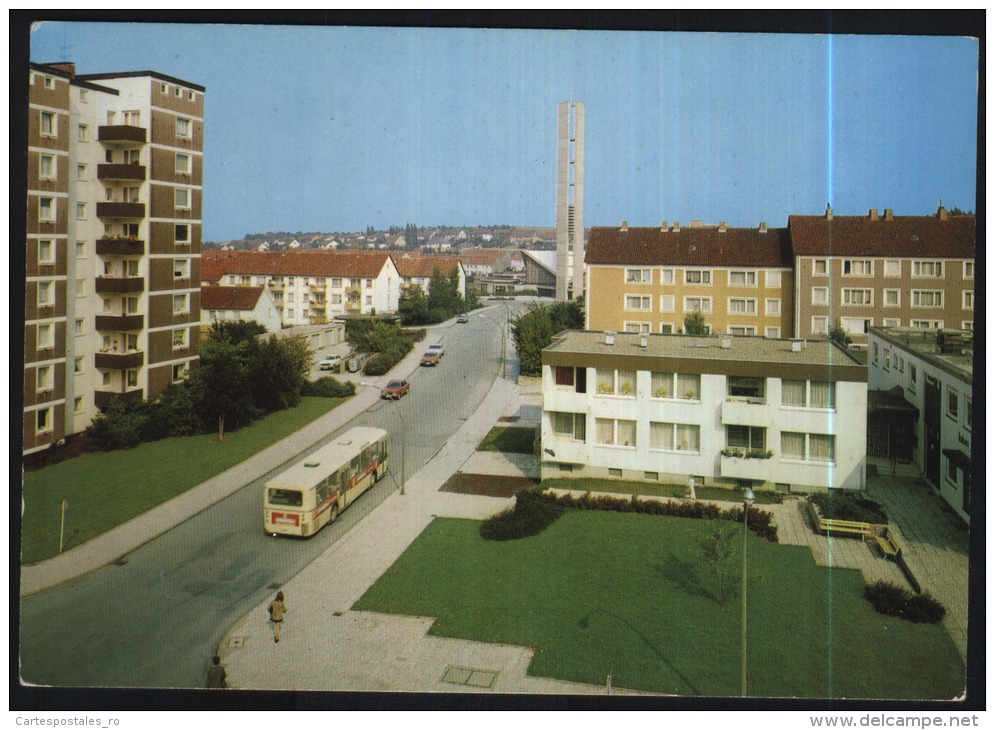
pixel 892 600
pixel 837 506
pixel 329 387
pixel 531 515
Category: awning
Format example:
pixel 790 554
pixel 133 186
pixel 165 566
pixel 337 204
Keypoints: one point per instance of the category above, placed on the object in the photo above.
pixel 959 458
pixel 890 401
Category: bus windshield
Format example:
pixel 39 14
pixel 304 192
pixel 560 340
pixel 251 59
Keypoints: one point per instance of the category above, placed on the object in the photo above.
pixel 286 497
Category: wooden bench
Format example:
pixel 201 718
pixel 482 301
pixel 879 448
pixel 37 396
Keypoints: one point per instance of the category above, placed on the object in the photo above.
pixel 848 527
pixel 887 545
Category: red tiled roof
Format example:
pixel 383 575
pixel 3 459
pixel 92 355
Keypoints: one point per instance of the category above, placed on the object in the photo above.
pixel 905 236
pixel 230 297
pixel 367 264
pixel 410 265
pixel 698 246
pixel 481 256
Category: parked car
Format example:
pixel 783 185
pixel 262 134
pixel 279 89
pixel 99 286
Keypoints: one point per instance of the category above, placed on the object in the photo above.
pixel 463 319
pixel 437 348
pixel 430 358
pixel 330 362
pixel 356 363
pixel 395 389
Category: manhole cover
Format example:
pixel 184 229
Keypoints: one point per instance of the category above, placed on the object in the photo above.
pixel 470 677
pixel 236 641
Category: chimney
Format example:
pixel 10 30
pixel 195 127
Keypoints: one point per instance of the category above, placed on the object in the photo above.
pixel 677 227
pixel 796 345
pixel 942 212
pixel 726 343
pixel 663 227
pixel 888 215
pixel 722 226
pixel 763 226
pixel 829 212
pixel 873 214
pixel 67 66
pixel 644 341
pixel 625 227
pixel 610 338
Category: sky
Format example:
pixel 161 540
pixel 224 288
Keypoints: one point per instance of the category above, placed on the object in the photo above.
pixel 333 129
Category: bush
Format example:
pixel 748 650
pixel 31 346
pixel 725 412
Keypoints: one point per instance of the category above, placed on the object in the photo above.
pixel 531 515
pixel 123 425
pixel 892 600
pixel 329 387
pixel 837 506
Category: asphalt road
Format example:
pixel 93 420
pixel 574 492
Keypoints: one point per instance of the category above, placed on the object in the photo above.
pixel 154 618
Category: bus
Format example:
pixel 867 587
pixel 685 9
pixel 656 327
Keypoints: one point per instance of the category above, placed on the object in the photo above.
pixel 310 494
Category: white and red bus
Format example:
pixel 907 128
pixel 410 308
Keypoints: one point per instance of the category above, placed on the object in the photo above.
pixel 310 494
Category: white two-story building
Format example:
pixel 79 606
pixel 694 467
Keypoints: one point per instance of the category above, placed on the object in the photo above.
pixel 726 410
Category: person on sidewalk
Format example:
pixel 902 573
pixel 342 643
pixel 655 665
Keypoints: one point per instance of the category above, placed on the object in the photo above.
pixel 277 609
pixel 216 675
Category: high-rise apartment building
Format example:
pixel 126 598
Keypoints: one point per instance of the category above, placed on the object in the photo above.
pixel 115 181
pixel 570 201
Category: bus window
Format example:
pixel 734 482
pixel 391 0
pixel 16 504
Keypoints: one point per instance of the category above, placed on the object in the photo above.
pixel 321 491
pixel 343 478
pixel 286 497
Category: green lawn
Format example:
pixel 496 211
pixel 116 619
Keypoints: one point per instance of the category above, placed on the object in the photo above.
pixel 649 489
pixel 601 593
pixel 508 439
pixel 105 489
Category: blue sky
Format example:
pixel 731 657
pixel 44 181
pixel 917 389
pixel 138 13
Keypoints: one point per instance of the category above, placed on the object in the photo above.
pixel 334 129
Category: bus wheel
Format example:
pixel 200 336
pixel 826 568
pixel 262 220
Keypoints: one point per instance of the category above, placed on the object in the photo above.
pixel 335 513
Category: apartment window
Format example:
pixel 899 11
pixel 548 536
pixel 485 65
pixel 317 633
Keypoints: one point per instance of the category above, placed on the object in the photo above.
pixel 80 211
pixel 191 96
pixel 46 336
pixel 698 304
pixel 46 252
pixel 927 269
pixel 746 330
pixel 44 378
pixel 81 172
pixel 336 282
pixel 572 426
pixel 892 322
pixel 808 394
pixel 637 303
pixel 81 249
pixel 179 92
pixel 46 167
pixel 773 307
pixel 46 294
pixel 336 298
pixel 179 338
pixel 967 324
pixel 181 233
pixel 667 276
pixel 46 209
pixel 179 372
pixel 858 267
pixel 953 401
pixel 131 305
pixel 105 378
pixel 49 126
pixel 133 118
pixel 913 377
pixel 772 333
pixel 820 325
pixel 182 198
pixel 638 276
pixel 181 268
pixel 739 386
pixel 667 302
pixel 354 283
pixel 742 278
pixel 774 279
pixel 615 432
pixel 163 89
pixel 808 447
pixel 751 438
pixel 927 298
pixel 666 328
pixel 616 382
pixel 968 269
pixel 858 297
pixel 181 304
pixel 968 299
pixel 820 295
pixel 698 276
pixel 856 325
pixel 43 422
pixel 369 299
pixel 876 351
pixel 49 82
pixel 926 324
pixel 742 306
pixel 952 471
pixel 892 297
pixel 78 405
pixel 637 328
pixel 84 133
pixel 675 436
pixel 84 95
pixel 183 126
pixel 820 267
pixel 892 269
pixel 183 163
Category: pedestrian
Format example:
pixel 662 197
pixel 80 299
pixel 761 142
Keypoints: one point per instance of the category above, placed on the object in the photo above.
pixel 277 609
pixel 216 675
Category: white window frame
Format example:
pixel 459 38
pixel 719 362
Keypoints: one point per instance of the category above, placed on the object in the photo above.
pixel 926 324
pixel 865 323
pixel 572 435
pixel 44 378
pixel 51 120
pixel 615 433
pixel 53 167
pixel 898 298
pixel 189 229
pixel 747 302
pixel 935 295
pixel 188 133
pixel 892 322
pixel 919 265
pixel 667 328
pixel 639 276
pixel 772 333
pixel 820 290
pixel 667 277
pixel 674 445
pixel 705 276
pixel 967 324
pixel 701 301
pixel 49 424
pixel 49 259
pixel 82 172
pixel 179 372
pixel 52 210
pixel 773 279
pixel 967 299
pixel 181 268
pixel 668 302
pixel 83 133
pixel 179 193
pixel 48 288
pixel 48 82
pixel 807 449
pixel 749 277
pixel 968 269
pixel 45 336
pixel 181 338
pixel 81 211
pixel 742 330
pixel 820 263
pixel 643 300
pixel 183 169
pixel 183 300
pixel 953 398
pixel 890 264
pixel 772 307
pixel 862 264
pixel 849 293
pixel 635 327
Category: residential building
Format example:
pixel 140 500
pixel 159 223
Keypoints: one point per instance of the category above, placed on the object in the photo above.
pixel 882 270
pixel 311 287
pixel 485 261
pixel 920 393
pixel 783 414
pixel 570 201
pixel 646 280
pixel 239 304
pixel 418 270
pixel 114 233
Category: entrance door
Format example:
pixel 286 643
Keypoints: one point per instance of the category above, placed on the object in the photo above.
pixel 931 422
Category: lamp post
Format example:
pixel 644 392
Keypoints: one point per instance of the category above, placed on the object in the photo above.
pixel 747 502
pixel 504 338
pixel 404 436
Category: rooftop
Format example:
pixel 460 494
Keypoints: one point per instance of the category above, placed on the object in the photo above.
pixel 952 350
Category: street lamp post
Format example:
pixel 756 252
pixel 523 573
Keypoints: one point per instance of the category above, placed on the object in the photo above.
pixel 747 502
pixel 404 434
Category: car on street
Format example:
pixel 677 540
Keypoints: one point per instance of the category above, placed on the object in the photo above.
pixel 330 362
pixel 430 359
pixel 463 319
pixel 395 389
pixel 437 348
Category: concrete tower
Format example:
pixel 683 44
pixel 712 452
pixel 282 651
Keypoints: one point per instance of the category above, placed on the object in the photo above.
pixel 570 201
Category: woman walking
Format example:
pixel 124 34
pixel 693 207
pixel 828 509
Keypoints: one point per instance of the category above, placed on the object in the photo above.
pixel 277 609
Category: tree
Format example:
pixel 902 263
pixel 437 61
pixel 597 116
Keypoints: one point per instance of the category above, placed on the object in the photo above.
pixel 533 330
pixel 236 330
pixel 413 306
pixel 222 384
pixel 694 324
pixel 839 335
pixel 278 370
pixel 444 300
pixel 718 550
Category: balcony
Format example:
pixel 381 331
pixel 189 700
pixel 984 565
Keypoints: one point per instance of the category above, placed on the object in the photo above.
pixel 119 284
pixel 120 247
pixel 740 467
pixel 353 307
pixel 121 133
pixel 103 398
pixel 120 322
pixel 119 360
pixel 120 210
pixel 739 411
pixel 121 172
